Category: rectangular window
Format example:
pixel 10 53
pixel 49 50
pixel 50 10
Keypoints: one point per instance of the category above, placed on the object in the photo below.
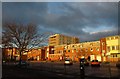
pixel 117 47
pixel 113 47
pixel 91 49
pixel 97 49
pixel 108 39
pixel 76 50
pixel 112 38
pixel 108 48
pixel 64 50
pixel 68 50
pixel 116 37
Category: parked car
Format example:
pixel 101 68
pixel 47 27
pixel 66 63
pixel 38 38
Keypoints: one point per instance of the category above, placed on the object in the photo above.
pixel 118 64
pixel 22 64
pixel 68 61
pixel 95 63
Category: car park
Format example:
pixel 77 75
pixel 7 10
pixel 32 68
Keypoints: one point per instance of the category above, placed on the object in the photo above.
pixel 95 63
pixel 68 61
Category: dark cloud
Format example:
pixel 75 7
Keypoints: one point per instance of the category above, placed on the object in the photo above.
pixel 67 18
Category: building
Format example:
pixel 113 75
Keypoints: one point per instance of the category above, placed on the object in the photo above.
pixel 59 39
pixel 76 51
pixel 113 48
pixel 10 54
pixel 61 47
pixel 37 54
pixel 58 53
pixel 90 50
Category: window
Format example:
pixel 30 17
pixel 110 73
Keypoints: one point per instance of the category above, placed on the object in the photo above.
pixel 76 50
pixel 115 55
pixel 68 50
pixel 117 47
pixel 116 37
pixel 58 51
pixel 91 44
pixel 108 48
pixel 112 38
pixel 64 50
pixel 113 47
pixel 81 46
pixel 97 49
pixel 91 49
pixel 108 39
pixel 103 44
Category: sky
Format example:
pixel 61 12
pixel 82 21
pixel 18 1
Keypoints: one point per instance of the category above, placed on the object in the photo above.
pixel 89 21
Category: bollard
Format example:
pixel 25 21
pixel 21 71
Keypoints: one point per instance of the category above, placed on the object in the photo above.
pixel 82 69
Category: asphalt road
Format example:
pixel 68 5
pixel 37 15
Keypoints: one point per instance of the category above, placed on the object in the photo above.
pixel 56 70
pixel 104 71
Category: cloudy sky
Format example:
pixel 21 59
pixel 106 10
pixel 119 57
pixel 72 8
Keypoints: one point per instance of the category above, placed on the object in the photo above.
pixel 87 20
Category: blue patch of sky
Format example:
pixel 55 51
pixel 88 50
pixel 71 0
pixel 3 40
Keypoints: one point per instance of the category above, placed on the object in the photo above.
pixel 97 29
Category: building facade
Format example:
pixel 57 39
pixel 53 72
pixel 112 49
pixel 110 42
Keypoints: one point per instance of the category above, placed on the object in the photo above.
pixel 60 47
pixel 76 51
pixel 113 48
pixel 59 39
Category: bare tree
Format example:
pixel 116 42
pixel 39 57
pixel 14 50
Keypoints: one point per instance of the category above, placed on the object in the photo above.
pixel 24 37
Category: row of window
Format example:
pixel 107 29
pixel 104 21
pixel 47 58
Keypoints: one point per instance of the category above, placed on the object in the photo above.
pixel 115 55
pixel 54 56
pixel 76 46
pixel 112 38
pixel 91 49
pixel 109 48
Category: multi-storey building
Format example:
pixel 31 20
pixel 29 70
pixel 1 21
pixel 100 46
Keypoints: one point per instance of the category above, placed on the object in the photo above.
pixel 76 51
pixel 59 39
pixel 113 48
